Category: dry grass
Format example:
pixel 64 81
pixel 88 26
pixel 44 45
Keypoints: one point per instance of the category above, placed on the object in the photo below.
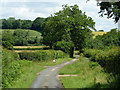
pixel 18 51
pixel 29 46
pixel 96 33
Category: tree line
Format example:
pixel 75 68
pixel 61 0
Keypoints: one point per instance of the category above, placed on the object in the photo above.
pixel 12 23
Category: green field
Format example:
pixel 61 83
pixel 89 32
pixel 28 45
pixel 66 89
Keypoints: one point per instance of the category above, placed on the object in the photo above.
pixel 32 33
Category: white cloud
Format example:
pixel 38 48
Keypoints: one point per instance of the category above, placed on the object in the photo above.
pixel 46 8
pixel 25 13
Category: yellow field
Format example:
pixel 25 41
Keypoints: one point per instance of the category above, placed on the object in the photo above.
pixel 18 51
pixel 96 33
pixel 29 46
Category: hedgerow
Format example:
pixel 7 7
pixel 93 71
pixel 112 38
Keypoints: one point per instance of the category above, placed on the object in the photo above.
pixel 109 60
pixel 11 67
pixel 43 55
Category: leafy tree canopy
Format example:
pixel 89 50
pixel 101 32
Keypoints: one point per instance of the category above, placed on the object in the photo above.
pixel 111 9
pixel 70 25
pixel 37 24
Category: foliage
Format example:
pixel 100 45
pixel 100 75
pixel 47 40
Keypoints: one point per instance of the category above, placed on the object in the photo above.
pixel 7 40
pixel 69 22
pixel 11 67
pixel 7 45
pixel 21 37
pixel 43 55
pixel 65 46
pixel 101 30
pixel 26 24
pixel 8 24
pixel 12 23
pixel 104 41
pixel 15 70
pixel 37 24
pixel 108 59
pixel 110 8
pixel 17 24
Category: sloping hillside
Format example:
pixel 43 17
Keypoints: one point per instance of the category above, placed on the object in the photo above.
pixel 32 33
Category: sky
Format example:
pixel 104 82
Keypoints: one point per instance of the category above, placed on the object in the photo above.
pixel 31 9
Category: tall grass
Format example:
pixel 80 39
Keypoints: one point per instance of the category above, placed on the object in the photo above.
pixel 90 75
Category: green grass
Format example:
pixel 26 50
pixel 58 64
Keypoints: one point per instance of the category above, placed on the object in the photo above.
pixel 30 73
pixel 58 61
pixel 90 75
pixel 28 76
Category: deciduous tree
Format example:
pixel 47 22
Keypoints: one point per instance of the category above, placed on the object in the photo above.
pixel 69 22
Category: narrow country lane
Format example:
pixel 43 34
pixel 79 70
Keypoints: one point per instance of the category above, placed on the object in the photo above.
pixel 48 77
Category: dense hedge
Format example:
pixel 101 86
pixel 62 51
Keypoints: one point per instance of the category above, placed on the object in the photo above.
pixel 109 60
pixel 11 67
pixel 43 55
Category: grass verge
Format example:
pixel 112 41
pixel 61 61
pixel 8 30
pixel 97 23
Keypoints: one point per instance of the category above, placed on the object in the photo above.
pixel 30 73
pixel 28 76
pixel 90 75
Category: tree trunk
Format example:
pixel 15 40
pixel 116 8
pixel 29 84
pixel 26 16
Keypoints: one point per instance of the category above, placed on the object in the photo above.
pixel 71 52
pixel 50 47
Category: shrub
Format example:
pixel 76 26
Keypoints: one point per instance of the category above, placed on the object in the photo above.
pixel 66 46
pixel 93 64
pixel 43 55
pixel 11 67
pixel 109 60
pixel 7 45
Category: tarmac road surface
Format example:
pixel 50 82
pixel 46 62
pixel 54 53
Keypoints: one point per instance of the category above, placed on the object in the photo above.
pixel 48 77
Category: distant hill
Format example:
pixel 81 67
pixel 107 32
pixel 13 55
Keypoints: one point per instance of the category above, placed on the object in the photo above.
pixel 32 33
pixel 96 33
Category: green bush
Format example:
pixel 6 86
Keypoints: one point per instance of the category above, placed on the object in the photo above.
pixel 7 45
pixel 105 41
pixel 43 55
pixel 7 40
pixel 64 46
pixel 93 64
pixel 11 67
pixel 109 60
